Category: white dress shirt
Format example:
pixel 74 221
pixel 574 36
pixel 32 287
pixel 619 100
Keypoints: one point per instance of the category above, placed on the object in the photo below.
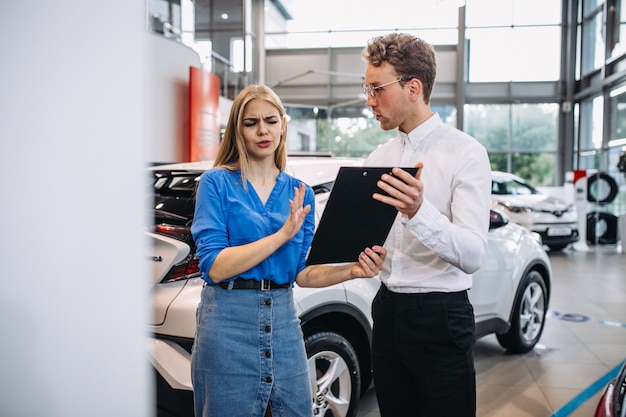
pixel 446 241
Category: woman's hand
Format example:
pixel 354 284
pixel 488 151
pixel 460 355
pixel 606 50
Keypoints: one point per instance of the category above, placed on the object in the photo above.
pixel 370 262
pixel 297 213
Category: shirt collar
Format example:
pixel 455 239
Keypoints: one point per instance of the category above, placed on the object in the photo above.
pixel 417 135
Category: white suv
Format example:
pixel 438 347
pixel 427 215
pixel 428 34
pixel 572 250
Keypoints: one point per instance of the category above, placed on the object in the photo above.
pixel 510 296
pixel 555 220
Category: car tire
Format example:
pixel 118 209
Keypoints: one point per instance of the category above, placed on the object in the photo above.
pixel 529 315
pixel 601 188
pixel 337 374
pixel 602 228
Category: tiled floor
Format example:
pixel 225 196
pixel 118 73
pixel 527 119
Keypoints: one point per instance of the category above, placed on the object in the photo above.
pixel 583 341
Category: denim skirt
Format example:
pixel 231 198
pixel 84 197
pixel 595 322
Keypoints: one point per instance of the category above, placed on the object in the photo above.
pixel 248 353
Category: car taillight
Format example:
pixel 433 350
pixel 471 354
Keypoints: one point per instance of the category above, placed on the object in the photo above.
pixel 188 268
pixel 605 406
pixel 168 229
pixel 184 270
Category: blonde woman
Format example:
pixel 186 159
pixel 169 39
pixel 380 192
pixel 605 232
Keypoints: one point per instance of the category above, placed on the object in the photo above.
pixel 253 225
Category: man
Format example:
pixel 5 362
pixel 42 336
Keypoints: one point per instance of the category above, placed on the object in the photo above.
pixel 423 337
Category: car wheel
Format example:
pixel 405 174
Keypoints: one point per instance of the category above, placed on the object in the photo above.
pixel 601 188
pixel 529 315
pixel 335 375
pixel 601 228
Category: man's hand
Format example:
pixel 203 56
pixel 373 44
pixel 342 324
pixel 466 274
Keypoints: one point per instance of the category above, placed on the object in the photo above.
pixel 405 191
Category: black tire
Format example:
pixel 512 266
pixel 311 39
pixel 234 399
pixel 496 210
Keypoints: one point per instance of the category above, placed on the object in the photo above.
pixel 529 315
pixel 601 188
pixel 601 228
pixel 338 375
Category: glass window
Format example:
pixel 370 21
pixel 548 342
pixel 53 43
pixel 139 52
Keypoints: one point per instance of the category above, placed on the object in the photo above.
pixel 619 46
pixel 538 169
pixel 591 125
pixel 588 160
pixel 499 161
pixel 302 130
pixel 537 12
pixel 446 112
pixel 333 15
pixel 590 6
pixel 534 127
pixel 346 39
pixel 520 138
pixel 311 130
pixel 592 38
pixel 617 112
pixel 323 23
pixel 512 12
pixel 489 12
pixel 513 54
pixel 490 125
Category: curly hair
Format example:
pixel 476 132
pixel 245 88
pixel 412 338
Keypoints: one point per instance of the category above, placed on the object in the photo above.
pixel 410 56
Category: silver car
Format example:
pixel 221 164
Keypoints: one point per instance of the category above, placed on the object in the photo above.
pixel 555 220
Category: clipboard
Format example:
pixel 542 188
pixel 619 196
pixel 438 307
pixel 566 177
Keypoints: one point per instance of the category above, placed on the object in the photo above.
pixel 352 220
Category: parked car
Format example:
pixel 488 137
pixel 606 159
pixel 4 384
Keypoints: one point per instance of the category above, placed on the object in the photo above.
pixel 613 399
pixel 555 220
pixel 510 295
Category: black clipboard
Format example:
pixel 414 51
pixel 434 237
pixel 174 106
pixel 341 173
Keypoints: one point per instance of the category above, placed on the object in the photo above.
pixel 352 219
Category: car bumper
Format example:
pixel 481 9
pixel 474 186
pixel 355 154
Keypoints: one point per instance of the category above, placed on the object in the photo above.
pixel 172 368
pixel 549 239
pixel 172 362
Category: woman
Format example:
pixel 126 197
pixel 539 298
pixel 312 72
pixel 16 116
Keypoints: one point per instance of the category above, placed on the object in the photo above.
pixel 253 225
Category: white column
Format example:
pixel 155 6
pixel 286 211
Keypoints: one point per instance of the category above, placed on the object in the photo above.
pixel 73 284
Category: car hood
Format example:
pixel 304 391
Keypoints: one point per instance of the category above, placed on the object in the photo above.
pixel 542 202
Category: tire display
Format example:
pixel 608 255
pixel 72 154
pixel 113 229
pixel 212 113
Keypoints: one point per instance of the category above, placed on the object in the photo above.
pixel 601 188
pixel 601 228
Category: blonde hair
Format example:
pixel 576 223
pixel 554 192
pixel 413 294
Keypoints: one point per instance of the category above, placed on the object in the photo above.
pixel 232 153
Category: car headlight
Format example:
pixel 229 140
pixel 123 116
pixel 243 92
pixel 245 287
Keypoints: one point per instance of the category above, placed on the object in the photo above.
pixel 516 209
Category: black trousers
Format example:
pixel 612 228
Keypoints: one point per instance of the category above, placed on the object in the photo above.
pixel 423 354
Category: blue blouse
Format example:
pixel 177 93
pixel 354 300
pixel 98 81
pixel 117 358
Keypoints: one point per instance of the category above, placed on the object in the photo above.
pixel 228 215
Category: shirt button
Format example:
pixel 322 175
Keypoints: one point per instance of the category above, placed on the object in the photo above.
pixel 266 379
pixel 267 354
pixel 266 328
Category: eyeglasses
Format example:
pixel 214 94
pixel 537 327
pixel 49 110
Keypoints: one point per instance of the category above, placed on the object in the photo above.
pixel 373 91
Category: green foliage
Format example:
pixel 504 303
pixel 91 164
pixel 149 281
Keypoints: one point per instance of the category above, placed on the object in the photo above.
pixel 520 138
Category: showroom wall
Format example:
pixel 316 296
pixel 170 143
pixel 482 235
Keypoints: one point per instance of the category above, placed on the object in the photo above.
pixel 73 293
pixel 167 130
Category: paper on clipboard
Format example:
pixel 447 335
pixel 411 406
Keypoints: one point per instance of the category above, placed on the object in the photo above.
pixel 352 219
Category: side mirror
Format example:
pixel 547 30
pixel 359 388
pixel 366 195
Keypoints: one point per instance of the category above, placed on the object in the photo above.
pixel 497 220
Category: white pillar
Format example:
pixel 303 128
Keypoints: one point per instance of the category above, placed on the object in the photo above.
pixel 73 284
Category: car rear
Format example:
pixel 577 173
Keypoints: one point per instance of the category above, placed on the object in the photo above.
pixel 613 399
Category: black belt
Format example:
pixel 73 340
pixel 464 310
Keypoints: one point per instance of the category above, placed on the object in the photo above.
pixel 424 297
pixel 252 284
